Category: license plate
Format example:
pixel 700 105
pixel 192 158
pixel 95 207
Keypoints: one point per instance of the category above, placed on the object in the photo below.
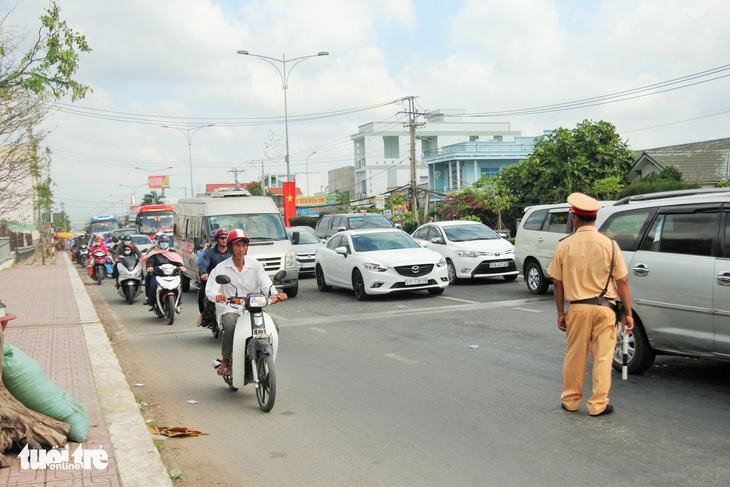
pixel 498 264
pixel 308 265
pixel 416 281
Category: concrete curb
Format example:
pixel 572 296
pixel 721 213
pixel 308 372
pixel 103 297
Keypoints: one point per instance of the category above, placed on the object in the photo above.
pixel 138 461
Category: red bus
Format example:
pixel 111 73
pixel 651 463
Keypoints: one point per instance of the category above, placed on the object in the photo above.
pixel 153 219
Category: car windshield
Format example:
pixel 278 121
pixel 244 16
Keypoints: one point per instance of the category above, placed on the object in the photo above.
pixel 141 240
pixel 357 222
pixel 368 242
pixel 306 237
pixel 466 233
pixel 260 226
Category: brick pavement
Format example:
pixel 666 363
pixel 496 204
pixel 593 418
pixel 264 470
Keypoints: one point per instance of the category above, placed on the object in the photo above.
pixel 57 326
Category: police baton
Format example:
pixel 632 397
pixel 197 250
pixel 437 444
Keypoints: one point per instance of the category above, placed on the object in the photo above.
pixel 624 344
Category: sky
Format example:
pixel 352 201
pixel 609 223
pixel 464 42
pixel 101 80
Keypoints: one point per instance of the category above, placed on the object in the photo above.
pixel 175 63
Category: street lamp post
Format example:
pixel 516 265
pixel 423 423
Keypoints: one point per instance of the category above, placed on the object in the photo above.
pixel 153 172
pixel 284 74
pixel 133 187
pixel 188 132
pixel 306 163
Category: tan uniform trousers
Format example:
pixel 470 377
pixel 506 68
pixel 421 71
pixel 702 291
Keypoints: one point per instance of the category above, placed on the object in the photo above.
pixel 590 327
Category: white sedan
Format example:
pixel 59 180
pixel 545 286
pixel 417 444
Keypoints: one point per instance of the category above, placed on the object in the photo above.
pixel 378 261
pixel 471 249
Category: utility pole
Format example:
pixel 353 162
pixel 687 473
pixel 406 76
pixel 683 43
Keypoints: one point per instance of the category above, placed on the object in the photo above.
pixel 412 114
pixel 235 172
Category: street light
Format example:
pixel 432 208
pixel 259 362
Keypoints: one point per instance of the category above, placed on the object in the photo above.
pixel 306 163
pixel 284 84
pixel 188 132
pixel 153 172
pixel 134 190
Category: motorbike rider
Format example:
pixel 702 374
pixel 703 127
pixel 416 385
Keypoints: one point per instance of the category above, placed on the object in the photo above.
pixel 247 276
pixel 124 247
pixel 98 245
pixel 207 260
pixel 160 254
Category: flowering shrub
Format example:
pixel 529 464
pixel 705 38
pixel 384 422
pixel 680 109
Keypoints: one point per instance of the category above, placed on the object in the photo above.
pixel 466 203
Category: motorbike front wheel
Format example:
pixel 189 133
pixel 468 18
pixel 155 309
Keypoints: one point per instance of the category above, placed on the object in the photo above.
pixel 129 292
pixel 170 309
pixel 99 274
pixel 266 388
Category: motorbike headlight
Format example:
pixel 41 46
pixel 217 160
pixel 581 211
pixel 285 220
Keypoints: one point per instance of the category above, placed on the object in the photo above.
pixel 257 301
pixel 290 260
pixel 375 267
pixel 441 262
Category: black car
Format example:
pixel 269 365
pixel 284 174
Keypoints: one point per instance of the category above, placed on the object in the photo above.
pixel 328 225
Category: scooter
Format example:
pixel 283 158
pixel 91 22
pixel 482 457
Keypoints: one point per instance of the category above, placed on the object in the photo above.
pixel 82 255
pixel 99 262
pixel 255 342
pixel 168 291
pixel 130 276
pixel 208 318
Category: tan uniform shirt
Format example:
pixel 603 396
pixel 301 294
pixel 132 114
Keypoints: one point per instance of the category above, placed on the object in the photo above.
pixel 582 262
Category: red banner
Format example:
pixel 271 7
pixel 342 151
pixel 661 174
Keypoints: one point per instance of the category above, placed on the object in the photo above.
pixel 290 201
pixel 158 181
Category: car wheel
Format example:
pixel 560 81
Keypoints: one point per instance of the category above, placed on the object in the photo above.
pixel 321 283
pixel 536 281
pixel 358 285
pixel 641 356
pixel 451 271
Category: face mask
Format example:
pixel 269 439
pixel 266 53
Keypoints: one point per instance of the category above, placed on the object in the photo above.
pixel 164 245
pixel 127 251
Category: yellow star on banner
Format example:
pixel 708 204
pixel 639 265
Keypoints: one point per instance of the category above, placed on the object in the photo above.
pixel 289 198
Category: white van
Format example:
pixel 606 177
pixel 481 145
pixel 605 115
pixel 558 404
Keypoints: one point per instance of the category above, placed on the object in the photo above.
pixel 258 216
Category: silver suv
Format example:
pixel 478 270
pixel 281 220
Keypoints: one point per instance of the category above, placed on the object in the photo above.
pixel 676 246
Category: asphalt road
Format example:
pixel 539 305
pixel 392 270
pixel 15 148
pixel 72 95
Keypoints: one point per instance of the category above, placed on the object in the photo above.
pixel 457 389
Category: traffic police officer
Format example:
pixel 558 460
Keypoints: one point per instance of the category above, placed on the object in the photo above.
pixel 580 270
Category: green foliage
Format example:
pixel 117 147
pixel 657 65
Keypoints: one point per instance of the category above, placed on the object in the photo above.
pixel 303 221
pixel 255 189
pixel 644 186
pixel 607 188
pixel 151 198
pixel 566 161
pixel 471 218
pixel 467 202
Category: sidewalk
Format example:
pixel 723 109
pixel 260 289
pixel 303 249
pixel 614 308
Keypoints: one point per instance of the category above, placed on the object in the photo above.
pixel 58 327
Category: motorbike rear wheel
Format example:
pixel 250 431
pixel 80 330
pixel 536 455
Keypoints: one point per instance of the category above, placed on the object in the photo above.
pixel 170 309
pixel 266 388
pixel 99 274
pixel 129 293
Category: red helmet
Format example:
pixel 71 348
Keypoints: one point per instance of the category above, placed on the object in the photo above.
pixel 221 232
pixel 236 235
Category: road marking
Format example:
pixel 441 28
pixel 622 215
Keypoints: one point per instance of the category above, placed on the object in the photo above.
pixel 397 357
pixel 528 309
pixel 458 300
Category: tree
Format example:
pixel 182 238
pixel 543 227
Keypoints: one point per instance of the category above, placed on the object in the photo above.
pixel 151 198
pixel 27 82
pixel 566 161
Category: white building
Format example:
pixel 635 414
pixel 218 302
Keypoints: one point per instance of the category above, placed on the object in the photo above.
pixel 382 149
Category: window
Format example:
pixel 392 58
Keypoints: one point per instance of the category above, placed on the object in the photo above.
pixel 558 222
pixel 534 221
pixel 683 233
pixel 490 171
pixel 391 147
pixel 626 228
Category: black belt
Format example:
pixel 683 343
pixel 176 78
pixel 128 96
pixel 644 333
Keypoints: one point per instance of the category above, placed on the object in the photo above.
pixel 598 302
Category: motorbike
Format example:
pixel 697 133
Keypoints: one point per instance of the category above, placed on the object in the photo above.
pixel 99 263
pixel 82 255
pixel 255 342
pixel 130 277
pixel 208 319
pixel 168 296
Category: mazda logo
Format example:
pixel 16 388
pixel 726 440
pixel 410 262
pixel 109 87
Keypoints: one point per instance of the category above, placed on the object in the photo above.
pixel 415 269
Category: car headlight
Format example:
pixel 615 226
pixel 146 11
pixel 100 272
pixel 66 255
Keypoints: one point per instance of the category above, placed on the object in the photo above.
pixel 441 262
pixel 375 267
pixel 290 260
pixel 468 253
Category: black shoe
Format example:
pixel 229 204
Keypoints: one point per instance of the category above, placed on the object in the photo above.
pixel 566 409
pixel 608 410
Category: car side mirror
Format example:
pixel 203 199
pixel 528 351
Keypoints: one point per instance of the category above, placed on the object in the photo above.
pixel 437 240
pixel 294 239
pixel 197 243
pixel 341 250
pixel 398 226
